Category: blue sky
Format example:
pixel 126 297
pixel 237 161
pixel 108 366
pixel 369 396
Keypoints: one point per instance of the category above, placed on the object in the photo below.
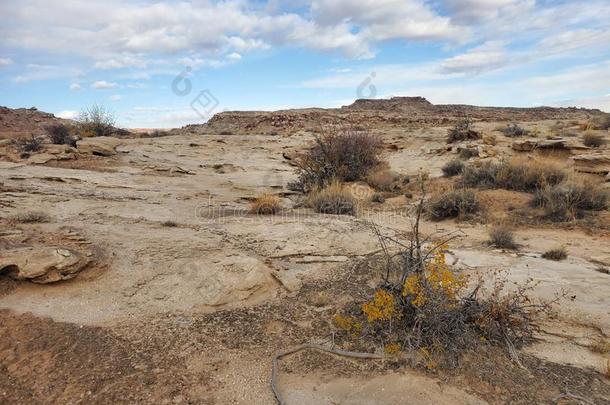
pixel 61 56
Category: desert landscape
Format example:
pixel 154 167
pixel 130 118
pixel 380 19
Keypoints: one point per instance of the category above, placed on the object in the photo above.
pixel 388 249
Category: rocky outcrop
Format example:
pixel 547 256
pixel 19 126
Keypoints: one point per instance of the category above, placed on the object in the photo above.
pixel 598 163
pixel 101 145
pixel 41 264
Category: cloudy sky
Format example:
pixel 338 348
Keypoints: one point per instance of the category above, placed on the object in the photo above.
pixel 169 63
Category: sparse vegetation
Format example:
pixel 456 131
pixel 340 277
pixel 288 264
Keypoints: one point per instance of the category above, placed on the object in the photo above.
pixel 565 201
pixel 557 254
pixel 513 130
pixel 59 134
pixel 169 224
pixel 462 131
pixel 383 180
pixel 31 217
pixel 96 121
pixel 517 174
pixel 333 199
pixel 502 237
pixel 267 204
pixel 467 153
pixel 593 140
pixel 346 156
pixel 459 203
pixel 599 122
pixel 27 145
pixel 453 168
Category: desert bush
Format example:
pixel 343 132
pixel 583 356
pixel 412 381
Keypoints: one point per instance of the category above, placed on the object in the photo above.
pixel 467 153
pixel 556 254
pixel 346 156
pixel 502 237
pixel 593 140
pixel 424 305
pixel 459 203
pixel 518 174
pixel 566 201
pixel 513 130
pixel 96 121
pixel 26 145
pixel 333 199
pixel 462 131
pixel 31 217
pixel 59 134
pixel 169 224
pixel 267 204
pixel 453 168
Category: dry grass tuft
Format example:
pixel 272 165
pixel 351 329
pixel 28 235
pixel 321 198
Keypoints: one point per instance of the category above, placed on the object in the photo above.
pixel 333 199
pixel 557 254
pixel 513 130
pixel 31 217
pixel 459 203
pixel 267 204
pixel 502 237
pixel 383 180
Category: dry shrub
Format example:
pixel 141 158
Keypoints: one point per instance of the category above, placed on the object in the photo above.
pixel 31 217
pixel 502 237
pixel 59 134
pixel 566 201
pixel 557 254
pixel 26 145
pixel 378 198
pixel 453 168
pixel 593 140
pixel 467 153
pixel 462 131
pixel 345 156
pixel 459 203
pixel 513 130
pixel 333 199
pixel 383 180
pixel 517 174
pixel 424 305
pixel 169 224
pixel 267 204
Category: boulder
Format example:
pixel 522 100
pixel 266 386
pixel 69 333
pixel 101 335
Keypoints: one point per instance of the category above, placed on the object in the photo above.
pixel 524 145
pixel 101 145
pixel 41 264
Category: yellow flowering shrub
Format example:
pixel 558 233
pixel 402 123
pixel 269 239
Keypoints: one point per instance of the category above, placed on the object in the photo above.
pixel 381 308
pixel 438 276
pixel 393 349
pixel 348 323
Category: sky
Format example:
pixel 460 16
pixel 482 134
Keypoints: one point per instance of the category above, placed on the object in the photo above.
pixel 162 64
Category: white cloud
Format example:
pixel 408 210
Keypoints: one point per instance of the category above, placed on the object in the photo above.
pixel 471 11
pixel 75 87
pixel 6 61
pixel 35 71
pixel 489 56
pixel 121 61
pixel 103 85
pixel 69 115
pixel 234 56
pixel 115 97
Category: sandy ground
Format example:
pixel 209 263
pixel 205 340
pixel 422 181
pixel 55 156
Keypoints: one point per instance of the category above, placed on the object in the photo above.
pixel 194 312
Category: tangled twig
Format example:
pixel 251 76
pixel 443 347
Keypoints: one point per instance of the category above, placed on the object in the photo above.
pixel 339 352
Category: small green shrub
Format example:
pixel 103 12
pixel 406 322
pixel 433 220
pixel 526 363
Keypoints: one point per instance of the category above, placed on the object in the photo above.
pixel 513 130
pixel 462 131
pixel 460 203
pixel 502 237
pixel 593 140
pixel 556 254
pixel 453 168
